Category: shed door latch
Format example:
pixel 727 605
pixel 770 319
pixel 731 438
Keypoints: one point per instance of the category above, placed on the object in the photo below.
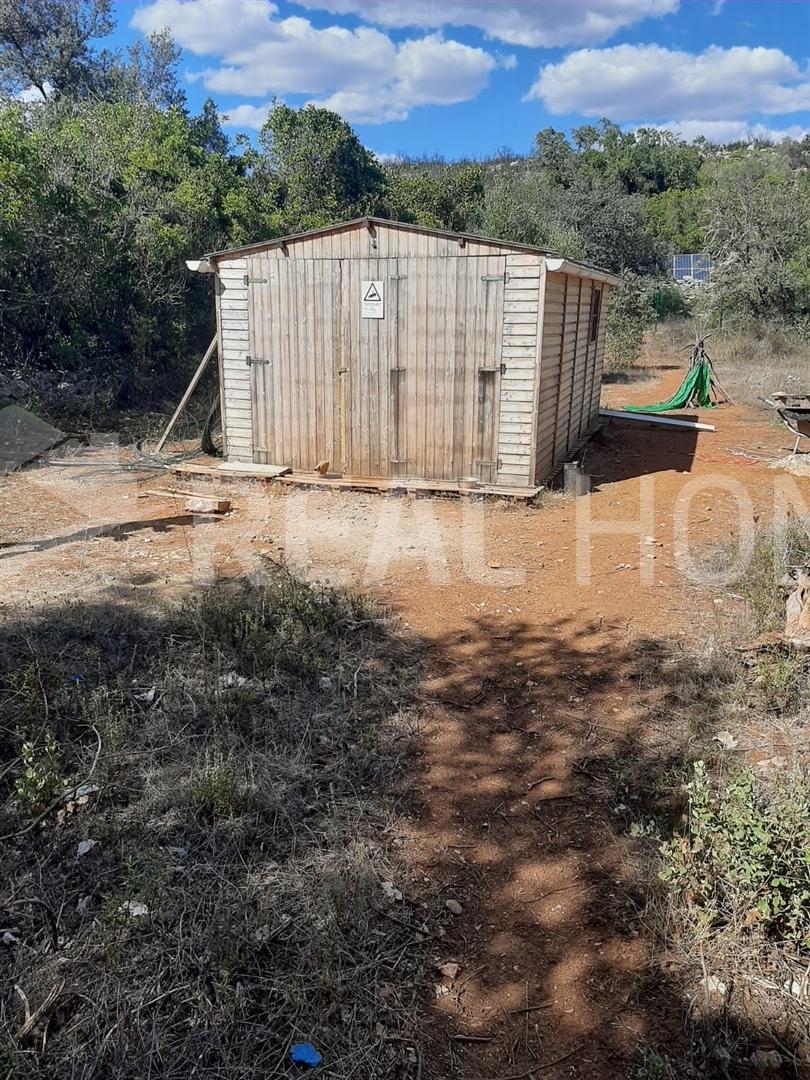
pixel 255 360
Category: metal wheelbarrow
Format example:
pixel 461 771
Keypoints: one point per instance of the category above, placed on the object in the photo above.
pixel 794 412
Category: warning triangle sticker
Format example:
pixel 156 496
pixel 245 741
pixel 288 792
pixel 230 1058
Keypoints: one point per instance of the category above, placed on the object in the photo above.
pixel 371 294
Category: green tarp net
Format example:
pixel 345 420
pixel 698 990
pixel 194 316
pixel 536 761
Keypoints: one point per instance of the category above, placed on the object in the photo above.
pixel 695 390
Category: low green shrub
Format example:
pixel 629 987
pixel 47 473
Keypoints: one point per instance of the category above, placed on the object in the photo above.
pixel 671 302
pixel 40 774
pixel 216 788
pixel 743 859
pixel 630 312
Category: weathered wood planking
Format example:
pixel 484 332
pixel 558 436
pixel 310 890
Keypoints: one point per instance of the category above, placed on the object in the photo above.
pixel 429 399
pixel 481 367
pixel 235 385
pixel 519 356
pixel 387 242
pixel 598 362
pixel 570 369
pixel 294 373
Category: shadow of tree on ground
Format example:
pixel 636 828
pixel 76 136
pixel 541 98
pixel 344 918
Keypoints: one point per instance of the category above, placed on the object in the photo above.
pixel 545 746
pixel 252 799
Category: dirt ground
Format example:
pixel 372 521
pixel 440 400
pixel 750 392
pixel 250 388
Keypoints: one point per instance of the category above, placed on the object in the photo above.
pixel 535 670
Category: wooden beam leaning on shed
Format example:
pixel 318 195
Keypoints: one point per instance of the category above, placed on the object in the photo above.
pixel 192 386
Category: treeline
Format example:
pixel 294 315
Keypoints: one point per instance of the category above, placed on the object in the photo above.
pixel 108 183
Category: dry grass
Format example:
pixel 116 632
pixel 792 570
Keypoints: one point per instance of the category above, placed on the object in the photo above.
pixel 752 362
pixel 724 847
pixel 245 748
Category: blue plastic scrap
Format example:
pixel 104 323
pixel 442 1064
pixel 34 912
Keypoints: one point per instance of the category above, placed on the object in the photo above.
pixel 305 1054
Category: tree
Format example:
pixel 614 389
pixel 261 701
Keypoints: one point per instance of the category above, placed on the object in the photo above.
pixel 148 72
pixel 207 129
pixel 444 198
pixel 674 219
pixel 321 170
pixel 646 161
pixel 45 44
pixel 553 153
pixel 591 218
pixel 756 218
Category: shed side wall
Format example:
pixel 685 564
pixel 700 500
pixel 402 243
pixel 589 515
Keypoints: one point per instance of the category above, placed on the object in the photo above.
pixel 232 312
pixel 570 369
pixel 598 362
pixel 548 399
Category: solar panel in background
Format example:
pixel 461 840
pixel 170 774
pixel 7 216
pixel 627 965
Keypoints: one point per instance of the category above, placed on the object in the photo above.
pixel 693 267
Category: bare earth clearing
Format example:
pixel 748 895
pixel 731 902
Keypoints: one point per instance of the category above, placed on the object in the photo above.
pixel 537 683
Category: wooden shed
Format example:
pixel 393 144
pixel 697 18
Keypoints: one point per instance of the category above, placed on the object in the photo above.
pixel 402 353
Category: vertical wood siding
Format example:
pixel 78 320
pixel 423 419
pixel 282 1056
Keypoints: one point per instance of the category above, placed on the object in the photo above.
pixel 425 397
pixel 294 321
pixel 414 394
pixel 570 370
pixel 482 365
pixel 550 393
pixel 598 363
pixel 232 316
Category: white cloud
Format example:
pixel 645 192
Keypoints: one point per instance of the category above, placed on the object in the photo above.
pixel 726 131
pixel 297 58
pixel 360 73
pixel 207 27
pixel 635 82
pixel 32 94
pixel 246 116
pixel 384 157
pixel 517 22
pixel 427 71
pixel 507 61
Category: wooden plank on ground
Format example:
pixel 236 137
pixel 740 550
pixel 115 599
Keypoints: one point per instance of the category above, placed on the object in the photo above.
pixel 248 468
pixel 200 502
pixel 232 468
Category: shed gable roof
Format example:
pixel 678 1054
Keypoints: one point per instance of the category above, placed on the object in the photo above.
pixel 372 223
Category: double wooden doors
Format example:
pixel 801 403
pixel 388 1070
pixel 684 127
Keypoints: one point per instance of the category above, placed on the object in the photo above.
pixel 383 367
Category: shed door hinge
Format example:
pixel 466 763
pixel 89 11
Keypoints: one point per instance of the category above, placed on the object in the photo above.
pixel 494 277
pixel 255 360
pixel 248 280
pixel 485 461
pixel 496 369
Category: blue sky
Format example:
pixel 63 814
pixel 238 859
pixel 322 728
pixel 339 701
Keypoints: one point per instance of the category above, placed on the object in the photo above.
pixel 466 77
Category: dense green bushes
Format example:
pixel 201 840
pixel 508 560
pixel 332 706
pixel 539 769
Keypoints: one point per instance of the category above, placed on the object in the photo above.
pixel 102 202
pixel 107 185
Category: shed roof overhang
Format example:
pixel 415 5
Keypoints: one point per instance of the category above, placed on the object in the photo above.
pixel 578 269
